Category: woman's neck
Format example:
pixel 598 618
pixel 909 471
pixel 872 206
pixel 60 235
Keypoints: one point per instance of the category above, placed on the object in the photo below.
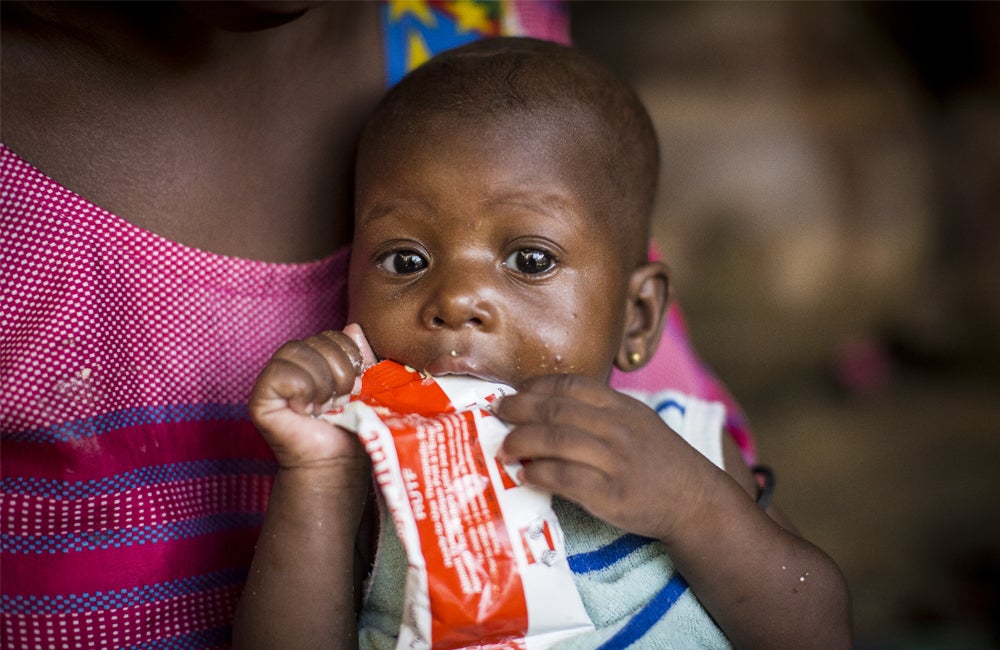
pixel 239 143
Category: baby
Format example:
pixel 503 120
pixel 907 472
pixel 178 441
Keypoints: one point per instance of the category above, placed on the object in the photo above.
pixel 503 197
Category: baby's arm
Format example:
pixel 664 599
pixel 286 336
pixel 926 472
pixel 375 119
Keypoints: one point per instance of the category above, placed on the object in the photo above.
pixel 764 586
pixel 302 583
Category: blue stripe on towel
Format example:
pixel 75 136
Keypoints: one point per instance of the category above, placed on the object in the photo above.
pixel 670 403
pixel 607 555
pixel 648 616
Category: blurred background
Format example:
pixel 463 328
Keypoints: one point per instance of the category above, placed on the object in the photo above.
pixel 829 207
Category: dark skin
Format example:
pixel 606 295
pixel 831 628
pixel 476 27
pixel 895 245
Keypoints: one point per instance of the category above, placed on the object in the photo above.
pixel 224 140
pixel 437 282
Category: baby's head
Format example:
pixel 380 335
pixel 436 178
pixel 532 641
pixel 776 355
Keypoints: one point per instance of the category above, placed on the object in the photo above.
pixel 503 198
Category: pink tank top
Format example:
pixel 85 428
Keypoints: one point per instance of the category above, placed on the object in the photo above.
pixel 133 485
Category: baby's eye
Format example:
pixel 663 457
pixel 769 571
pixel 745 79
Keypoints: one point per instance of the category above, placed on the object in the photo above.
pixel 403 262
pixel 530 261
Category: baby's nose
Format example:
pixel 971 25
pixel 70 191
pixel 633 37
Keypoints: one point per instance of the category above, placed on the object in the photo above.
pixel 459 301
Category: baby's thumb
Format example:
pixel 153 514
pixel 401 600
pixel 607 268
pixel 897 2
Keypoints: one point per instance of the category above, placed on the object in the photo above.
pixel 355 333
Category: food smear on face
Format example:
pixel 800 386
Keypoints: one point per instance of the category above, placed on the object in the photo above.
pixel 486 559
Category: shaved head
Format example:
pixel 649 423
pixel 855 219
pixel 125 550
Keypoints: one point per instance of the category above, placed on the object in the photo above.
pixel 527 82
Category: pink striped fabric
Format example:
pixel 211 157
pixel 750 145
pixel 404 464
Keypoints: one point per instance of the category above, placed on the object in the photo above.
pixel 133 485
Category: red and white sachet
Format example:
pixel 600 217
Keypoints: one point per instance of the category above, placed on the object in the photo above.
pixel 487 562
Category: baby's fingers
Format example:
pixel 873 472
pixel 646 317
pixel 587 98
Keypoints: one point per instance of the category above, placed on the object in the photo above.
pixel 342 357
pixel 528 407
pixel 296 377
pixel 574 481
pixel 354 332
pixel 534 442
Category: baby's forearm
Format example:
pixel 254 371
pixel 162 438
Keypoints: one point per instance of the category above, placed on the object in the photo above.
pixel 764 586
pixel 300 591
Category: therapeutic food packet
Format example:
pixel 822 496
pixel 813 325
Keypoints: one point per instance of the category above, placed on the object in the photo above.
pixel 487 563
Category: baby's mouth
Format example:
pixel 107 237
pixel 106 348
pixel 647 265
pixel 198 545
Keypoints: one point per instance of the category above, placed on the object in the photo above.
pixel 454 362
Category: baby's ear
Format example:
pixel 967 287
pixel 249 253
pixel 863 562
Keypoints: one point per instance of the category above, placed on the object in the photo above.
pixel 645 311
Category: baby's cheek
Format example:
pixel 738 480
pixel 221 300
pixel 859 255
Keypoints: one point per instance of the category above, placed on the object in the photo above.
pixel 547 362
pixel 560 348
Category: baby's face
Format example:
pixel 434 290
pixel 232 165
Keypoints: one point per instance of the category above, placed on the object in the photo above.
pixel 488 251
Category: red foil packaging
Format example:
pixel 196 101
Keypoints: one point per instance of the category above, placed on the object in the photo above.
pixel 487 562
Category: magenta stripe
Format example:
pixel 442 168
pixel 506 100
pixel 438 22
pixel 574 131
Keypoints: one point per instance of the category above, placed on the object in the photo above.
pixel 34 518
pixel 113 569
pixel 122 451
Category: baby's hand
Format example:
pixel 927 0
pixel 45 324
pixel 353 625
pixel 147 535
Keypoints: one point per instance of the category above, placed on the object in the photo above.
pixel 606 451
pixel 301 380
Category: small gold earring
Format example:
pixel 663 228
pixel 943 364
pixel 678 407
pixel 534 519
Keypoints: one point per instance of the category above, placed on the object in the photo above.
pixel 634 358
